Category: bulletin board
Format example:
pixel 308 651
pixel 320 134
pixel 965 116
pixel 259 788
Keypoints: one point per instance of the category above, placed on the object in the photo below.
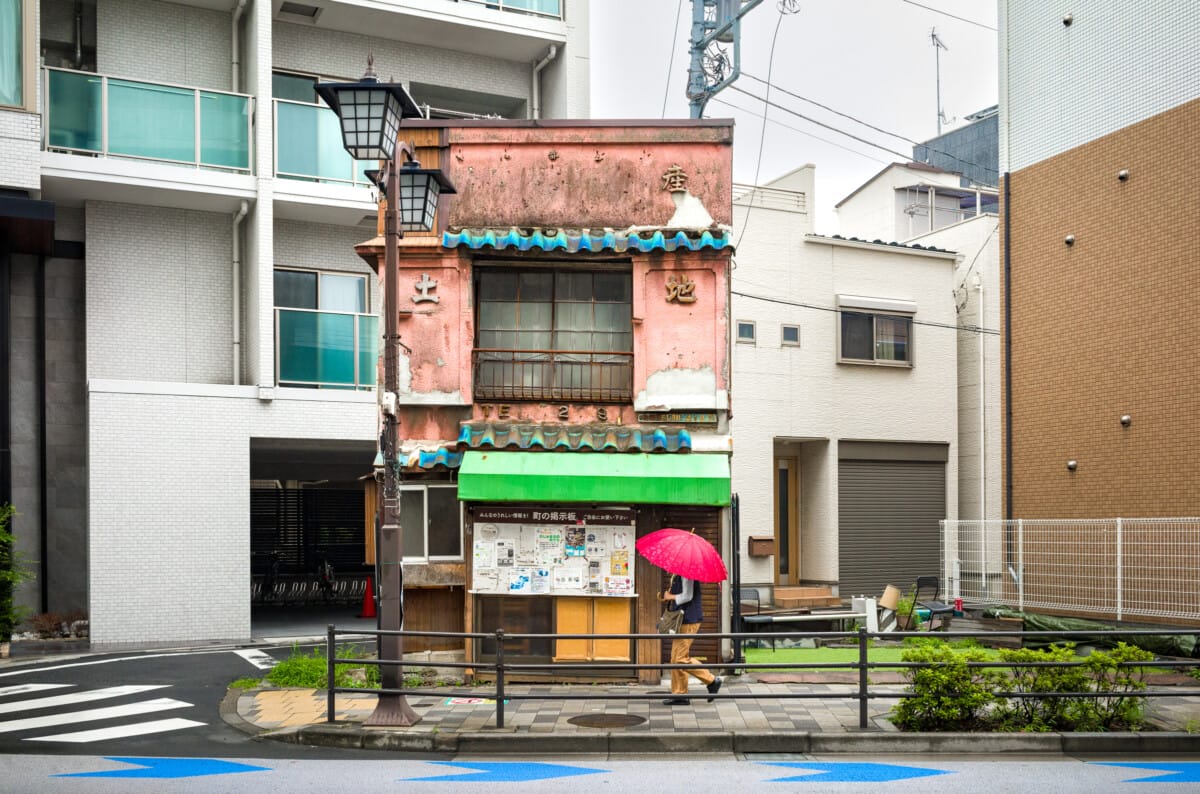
pixel 556 551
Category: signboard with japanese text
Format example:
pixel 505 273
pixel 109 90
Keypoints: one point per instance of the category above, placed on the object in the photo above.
pixel 553 551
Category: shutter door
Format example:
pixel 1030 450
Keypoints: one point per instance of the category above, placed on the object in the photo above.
pixel 888 514
pixel 707 523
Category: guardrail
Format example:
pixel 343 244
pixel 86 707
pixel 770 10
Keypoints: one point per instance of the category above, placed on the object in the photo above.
pixel 499 668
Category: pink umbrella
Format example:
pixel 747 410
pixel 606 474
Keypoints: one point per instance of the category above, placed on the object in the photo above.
pixel 683 553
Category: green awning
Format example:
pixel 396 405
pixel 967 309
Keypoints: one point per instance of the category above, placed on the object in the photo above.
pixel 625 478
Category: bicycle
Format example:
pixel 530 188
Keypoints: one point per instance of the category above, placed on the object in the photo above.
pixel 325 578
pixel 271 577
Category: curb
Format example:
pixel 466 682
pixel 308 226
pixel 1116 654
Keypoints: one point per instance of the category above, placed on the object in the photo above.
pixel 354 736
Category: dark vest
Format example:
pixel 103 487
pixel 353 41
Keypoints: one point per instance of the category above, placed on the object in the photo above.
pixel 693 611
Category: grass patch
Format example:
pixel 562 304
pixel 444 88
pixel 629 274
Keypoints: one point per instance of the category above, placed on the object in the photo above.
pixel 310 670
pixel 826 656
pixel 246 683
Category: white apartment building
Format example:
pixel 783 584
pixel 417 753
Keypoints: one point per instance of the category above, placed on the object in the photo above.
pixel 845 399
pixel 184 312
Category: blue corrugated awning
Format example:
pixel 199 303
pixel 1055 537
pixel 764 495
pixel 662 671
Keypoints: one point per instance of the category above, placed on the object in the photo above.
pixel 485 435
pixel 575 240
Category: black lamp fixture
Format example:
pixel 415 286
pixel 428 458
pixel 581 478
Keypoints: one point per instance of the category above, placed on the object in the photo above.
pixel 420 189
pixel 370 112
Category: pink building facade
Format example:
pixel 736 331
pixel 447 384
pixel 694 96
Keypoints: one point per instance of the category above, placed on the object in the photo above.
pixel 564 379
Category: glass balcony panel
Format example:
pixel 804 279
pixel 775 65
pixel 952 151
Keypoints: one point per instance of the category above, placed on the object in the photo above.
pixel 74 111
pixel 318 349
pixel 308 145
pixel 368 349
pixel 152 121
pixel 224 131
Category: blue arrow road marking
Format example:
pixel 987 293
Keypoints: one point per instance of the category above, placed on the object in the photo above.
pixel 172 768
pixel 1179 772
pixel 851 773
pixel 509 772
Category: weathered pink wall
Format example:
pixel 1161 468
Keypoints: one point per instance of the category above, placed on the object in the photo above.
pixel 599 176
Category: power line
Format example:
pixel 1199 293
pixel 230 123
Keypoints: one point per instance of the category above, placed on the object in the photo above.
pixel 800 131
pixel 948 14
pixel 970 328
pixel 857 120
pixel 671 60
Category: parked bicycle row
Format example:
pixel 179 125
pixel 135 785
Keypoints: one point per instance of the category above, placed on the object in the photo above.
pixel 295 589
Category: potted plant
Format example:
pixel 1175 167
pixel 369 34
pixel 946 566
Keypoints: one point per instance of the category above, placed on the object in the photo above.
pixel 12 573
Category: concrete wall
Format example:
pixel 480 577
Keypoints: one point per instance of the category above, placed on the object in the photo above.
pixel 159 291
pixel 164 43
pixel 169 502
pixel 1062 86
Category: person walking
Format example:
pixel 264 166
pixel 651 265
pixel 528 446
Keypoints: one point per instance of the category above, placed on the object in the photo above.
pixel 685 594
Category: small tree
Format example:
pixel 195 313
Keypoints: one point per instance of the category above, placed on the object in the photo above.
pixel 12 573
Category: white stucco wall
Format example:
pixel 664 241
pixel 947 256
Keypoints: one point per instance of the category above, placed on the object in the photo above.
pixel 877 209
pixel 169 501
pixel 1116 64
pixel 801 394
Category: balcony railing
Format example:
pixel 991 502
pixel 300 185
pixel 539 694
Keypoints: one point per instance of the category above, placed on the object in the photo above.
pixel 541 8
pixel 308 146
pixel 97 114
pixel 330 350
pixel 578 376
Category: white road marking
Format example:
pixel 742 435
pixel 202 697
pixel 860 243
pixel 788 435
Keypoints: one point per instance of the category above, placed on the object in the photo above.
pixel 77 697
pixel 120 731
pixel 259 659
pixel 5 691
pixel 112 712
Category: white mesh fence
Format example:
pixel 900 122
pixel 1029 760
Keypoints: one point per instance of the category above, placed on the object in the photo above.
pixel 1120 568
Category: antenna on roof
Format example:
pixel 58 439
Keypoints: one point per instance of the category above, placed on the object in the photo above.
pixel 938 45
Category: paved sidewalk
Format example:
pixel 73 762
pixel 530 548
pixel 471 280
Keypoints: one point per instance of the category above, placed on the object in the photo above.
pixel 768 715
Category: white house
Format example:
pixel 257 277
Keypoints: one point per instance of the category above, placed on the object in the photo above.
pixel 845 398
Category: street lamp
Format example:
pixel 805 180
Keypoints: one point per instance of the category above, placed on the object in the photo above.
pixel 370 113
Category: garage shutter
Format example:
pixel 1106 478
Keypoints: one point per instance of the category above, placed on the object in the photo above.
pixel 888 523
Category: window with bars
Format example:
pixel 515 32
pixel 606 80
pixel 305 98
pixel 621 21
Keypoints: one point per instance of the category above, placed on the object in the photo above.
pixel 554 334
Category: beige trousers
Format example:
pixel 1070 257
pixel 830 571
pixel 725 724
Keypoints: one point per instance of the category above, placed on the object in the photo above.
pixel 681 653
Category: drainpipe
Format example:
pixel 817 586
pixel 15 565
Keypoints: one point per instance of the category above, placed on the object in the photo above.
pixel 536 80
pixel 78 62
pixel 237 293
pixel 235 60
pixel 1008 411
pixel 982 405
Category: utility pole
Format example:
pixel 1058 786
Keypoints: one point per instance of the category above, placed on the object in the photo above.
pixel 714 21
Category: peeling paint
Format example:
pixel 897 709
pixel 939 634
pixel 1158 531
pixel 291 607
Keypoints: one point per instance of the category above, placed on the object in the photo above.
pixel 678 388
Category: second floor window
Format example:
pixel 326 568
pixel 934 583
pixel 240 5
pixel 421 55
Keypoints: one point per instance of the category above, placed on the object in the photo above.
pixel 324 336
pixel 554 334
pixel 876 338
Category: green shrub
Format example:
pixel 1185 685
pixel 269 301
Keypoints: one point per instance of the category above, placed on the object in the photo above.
pixel 311 671
pixel 1041 714
pixel 949 694
pixel 1116 674
pixel 13 571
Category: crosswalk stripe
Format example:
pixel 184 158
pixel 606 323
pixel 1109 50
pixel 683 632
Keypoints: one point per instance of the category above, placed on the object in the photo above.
pixel 111 712
pixel 120 731
pixel 5 691
pixel 77 697
pixel 257 658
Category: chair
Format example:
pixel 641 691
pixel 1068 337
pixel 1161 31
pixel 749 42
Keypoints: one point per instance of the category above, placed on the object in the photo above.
pixel 926 597
pixel 748 595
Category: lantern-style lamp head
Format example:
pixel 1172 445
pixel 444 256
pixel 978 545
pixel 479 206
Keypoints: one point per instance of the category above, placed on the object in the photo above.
pixel 370 112
pixel 419 191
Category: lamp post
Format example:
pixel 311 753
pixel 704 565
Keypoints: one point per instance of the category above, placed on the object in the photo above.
pixel 370 113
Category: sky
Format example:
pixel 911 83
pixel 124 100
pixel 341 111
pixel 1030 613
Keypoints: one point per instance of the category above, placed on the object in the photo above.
pixel 872 60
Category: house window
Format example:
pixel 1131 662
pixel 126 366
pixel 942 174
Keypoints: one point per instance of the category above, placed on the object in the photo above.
pixel 876 338
pixel 431 522
pixel 296 87
pixel 17 54
pixel 325 336
pixel 745 332
pixel 554 334
pixel 789 335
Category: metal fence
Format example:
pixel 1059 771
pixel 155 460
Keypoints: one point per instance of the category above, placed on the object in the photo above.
pixel 1118 568
pixel 499 669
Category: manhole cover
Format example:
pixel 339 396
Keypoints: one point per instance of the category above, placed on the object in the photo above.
pixel 607 720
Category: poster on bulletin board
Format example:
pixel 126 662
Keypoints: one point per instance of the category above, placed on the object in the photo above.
pixel 553 551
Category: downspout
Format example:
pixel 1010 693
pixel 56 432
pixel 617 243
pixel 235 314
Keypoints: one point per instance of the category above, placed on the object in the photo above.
pixel 78 62
pixel 536 81
pixel 982 405
pixel 1008 411
pixel 237 293
pixel 235 61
